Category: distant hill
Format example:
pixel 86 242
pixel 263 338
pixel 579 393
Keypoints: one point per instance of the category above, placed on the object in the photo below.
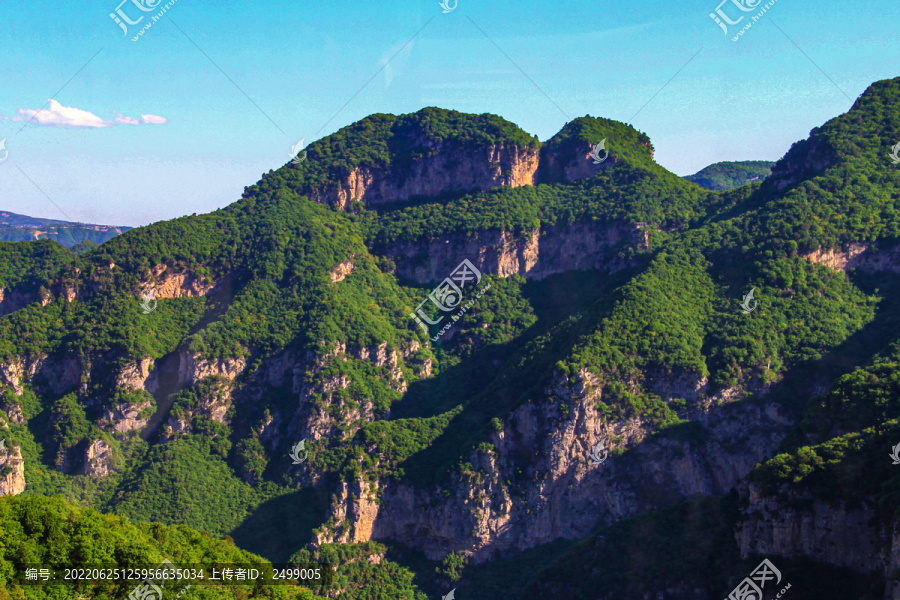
pixel 723 176
pixel 20 228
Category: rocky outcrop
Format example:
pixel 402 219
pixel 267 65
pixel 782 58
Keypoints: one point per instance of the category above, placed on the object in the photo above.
pixel 59 374
pixel 98 459
pixel 534 254
pixel 795 525
pixel 12 374
pixel 166 283
pixel 492 509
pixel 14 412
pixel 12 471
pixel 447 168
pixel 865 257
pixel 214 403
pixel 124 418
pixel 56 374
pixel 139 376
pixel 340 272
pixel 193 368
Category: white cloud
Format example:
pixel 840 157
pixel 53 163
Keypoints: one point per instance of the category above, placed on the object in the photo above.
pixel 57 115
pixel 153 119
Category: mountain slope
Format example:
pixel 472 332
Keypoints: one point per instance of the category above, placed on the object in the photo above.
pixel 605 317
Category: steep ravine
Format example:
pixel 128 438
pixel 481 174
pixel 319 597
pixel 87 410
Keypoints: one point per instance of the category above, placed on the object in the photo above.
pixel 169 369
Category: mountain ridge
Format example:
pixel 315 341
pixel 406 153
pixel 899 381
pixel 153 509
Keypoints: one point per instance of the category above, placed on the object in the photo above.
pixel 283 318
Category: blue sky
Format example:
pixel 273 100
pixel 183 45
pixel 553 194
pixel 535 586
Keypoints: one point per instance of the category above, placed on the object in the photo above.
pixel 216 93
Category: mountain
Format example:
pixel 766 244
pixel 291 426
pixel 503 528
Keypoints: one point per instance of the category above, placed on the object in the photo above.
pixel 729 175
pixel 593 406
pixel 19 228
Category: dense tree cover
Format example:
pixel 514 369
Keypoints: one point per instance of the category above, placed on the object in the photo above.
pixel 53 534
pixel 274 255
pixel 391 142
pixel 363 572
pixel 729 175
pixel 623 142
pixel 30 265
pixel 857 424
pixel 628 191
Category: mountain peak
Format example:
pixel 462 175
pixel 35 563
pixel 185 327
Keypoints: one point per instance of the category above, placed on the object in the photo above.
pixel 565 156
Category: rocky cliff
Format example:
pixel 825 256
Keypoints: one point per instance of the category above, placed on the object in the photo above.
pixel 491 509
pixel 534 254
pixel 792 524
pixel 447 169
pixel 12 472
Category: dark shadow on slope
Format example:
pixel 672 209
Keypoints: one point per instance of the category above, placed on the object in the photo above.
pixel 554 300
pixel 806 380
pixel 169 366
pixel 281 526
pixel 502 577
pixel 523 377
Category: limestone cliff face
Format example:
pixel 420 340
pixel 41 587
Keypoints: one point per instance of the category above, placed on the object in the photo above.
pixel 13 300
pixel 193 367
pixel 98 459
pixel 865 257
pixel 793 525
pixel 447 168
pixel 54 373
pixel 139 376
pixel 12 472
pixel 124 418
pixel 563 494
pixel 324 412
pixel 169 283
pixel 534 254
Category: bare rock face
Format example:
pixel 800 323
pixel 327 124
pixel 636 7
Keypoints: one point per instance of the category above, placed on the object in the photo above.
pixel 851 537
pixel 15 414
pixel 12 472
pixel 447 168
pixel 59 374
pixel 564 493
pixel 98 459
pixel 12 374
pixel 192 368
pixel 534 255
pixel 124 418
pixel 16 299
pixel 169 284
pixel 865 257
pixel 139 376
pixel 341 271
pixel 214 403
